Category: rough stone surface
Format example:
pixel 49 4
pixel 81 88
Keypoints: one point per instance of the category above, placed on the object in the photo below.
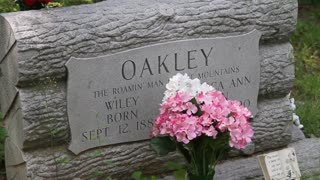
pixel 37 44
pixel 272 125
pixel 277 74
pixel 45 44
pixel 14 124
pixel 277 70
pixel 8 80
pixel 44 120
pixel 308 155
pixel 297 134
pixel 56 163
pixel 38 116
pixel 13 154
pixel 44 117
pixel 6 38
pixel 43 105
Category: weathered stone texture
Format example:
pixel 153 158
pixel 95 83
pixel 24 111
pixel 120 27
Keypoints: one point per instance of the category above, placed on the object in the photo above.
pixel 308 156
pixel 308 153
pixel 46 39
pixel 44 120
pixel 38 116
pixel 277 70
pixel 35 45
pixel 297 134
pixel 8 80
pixel 43 106
pixel 57 163
pixel 6 38
pixel 272 125
pixel 44 115
pixel 277 75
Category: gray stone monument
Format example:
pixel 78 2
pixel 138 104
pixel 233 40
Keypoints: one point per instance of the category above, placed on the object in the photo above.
pixel 114 99
pixel 61 67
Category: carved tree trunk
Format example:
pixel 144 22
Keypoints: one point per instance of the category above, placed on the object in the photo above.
pixel 35 45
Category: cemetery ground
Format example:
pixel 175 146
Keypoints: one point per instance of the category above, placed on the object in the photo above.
pixel 306 42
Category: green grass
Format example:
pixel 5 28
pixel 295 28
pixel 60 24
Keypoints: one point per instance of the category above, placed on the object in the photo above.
pixel 317 177
pixel 8 6
pixel 312 2
pixel 306 42
pixel 11 6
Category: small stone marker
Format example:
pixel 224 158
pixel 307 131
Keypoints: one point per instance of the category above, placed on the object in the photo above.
pixel 113 99
pixel 280 165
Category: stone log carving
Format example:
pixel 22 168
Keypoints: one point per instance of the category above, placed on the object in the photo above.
pixel 44 40
pixel 43 117
pixel 35 45
pixel 57 163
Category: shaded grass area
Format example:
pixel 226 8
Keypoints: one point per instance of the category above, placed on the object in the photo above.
pixel 8 6
pixel 306 42
pixel 310 2
pixel 11 6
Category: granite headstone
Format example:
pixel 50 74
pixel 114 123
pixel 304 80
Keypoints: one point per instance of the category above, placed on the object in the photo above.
pixel 113 99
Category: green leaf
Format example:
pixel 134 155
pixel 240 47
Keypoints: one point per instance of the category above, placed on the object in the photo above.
pixel 180 172
pixel 136 175
pixel 174 166
pixel 184 152
pixel 163 145
pixel 199 112
pixel 153 178
pixel 179 175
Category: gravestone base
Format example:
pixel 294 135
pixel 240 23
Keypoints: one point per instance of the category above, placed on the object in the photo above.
pixel 59 163
pixel 308 156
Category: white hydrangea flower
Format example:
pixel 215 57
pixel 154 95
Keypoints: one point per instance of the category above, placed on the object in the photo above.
pixel 183 83
pixel 177 82
pixel 191 86
pixel 205 87
pixel 167 94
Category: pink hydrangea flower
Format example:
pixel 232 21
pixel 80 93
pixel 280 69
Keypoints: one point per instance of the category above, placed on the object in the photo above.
pixel 180 118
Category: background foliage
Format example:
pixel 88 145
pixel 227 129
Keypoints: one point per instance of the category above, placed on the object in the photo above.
pixel 306 42
pixel 8 6
pixel 11 6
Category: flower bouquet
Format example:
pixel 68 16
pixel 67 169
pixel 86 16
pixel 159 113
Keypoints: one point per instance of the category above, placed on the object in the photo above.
pixel 201 123
pixel 32 4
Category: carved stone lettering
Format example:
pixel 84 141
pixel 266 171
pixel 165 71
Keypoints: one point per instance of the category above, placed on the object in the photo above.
pixel 113 99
